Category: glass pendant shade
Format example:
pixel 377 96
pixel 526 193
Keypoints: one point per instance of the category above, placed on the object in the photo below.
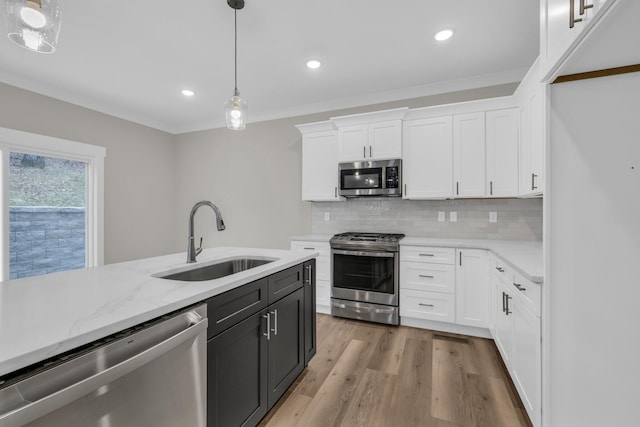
pixel 235 110
pixel 33 24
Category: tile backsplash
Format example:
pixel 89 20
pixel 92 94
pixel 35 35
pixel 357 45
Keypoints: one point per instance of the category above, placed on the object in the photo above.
pixel 518 219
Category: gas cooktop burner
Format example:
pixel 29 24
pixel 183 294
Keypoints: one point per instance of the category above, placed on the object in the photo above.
pixel 377 241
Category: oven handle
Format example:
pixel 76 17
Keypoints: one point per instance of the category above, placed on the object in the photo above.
pixel 361 309
pixel 364 253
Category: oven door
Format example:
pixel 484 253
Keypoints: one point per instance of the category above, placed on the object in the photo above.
pixel 365 276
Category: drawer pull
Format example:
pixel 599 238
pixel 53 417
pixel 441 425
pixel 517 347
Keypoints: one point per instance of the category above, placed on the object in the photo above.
pixel 426 254
pixel 500 269
pixel 519 286
pixel 425 305
pixel 425 276
pixel 310 249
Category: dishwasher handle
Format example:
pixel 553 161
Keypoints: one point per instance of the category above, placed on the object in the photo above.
pixel 34 410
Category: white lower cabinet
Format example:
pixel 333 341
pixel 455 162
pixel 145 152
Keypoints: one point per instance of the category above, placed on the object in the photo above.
pixel 427 305
pixel 472 287
pixel 323 271
pixel 516 331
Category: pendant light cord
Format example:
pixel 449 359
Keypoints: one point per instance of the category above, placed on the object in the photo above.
pixel 235 61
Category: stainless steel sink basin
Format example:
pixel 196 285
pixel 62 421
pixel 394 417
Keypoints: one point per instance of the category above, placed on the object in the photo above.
pixel 216 270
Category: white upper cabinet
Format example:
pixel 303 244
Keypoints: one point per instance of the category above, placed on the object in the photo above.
pixel 375 141
pixel 428 158
pixel 565 21
pixel 469 155
pixel 370 136
pixel 502 153
pixel 532 142
pixel 319 162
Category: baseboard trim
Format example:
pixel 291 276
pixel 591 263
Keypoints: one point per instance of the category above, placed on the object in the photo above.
pixel 446 327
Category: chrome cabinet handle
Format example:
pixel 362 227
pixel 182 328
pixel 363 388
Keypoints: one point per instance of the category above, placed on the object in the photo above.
pixel 572 17
pixel 426 255
pixel 584 6
pixel 533 181
pixel 425 305
pixel 491 188
pixel 335 192
pixel 405 189
pixel 503 303
pixel 370 152
pixel 457 188
pixel 364 151
pixel 519 286
pixel 275 322
pixel 268 333
pixel 507 311
pixel 309 274
pixel 500 269
pixel 425 276
pixel 310 249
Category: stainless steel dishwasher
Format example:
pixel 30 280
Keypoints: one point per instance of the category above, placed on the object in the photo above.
pixel 150 375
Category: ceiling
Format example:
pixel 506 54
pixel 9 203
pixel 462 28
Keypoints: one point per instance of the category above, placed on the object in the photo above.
pixel 131 58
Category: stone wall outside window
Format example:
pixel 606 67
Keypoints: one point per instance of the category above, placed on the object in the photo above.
pixel 46 240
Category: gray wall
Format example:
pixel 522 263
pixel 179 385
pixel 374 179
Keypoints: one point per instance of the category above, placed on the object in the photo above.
pixel 254 176
pixel 139 168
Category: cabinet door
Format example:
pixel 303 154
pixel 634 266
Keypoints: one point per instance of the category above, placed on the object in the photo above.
pixel 560 34
pixel 527 359
pixel 504 322
pixel 385 140
pixel 472 287
pixel 502 153
pixel 353 142
pixel 524 184
pixel 309 310
pixel 286 344
pixel 428 158
pixel 532 141
pixel 320 166
pixel 469 155
pixel 237 374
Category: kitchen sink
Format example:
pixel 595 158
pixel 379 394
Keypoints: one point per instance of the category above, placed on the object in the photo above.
pixel 214 270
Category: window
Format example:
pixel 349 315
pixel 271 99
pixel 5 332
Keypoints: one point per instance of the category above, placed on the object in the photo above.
pixel 52 204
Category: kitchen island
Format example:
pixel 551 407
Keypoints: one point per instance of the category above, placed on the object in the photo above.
pixel 41 317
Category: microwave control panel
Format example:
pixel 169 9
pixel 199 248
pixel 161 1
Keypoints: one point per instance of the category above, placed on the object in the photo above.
pixel 393 179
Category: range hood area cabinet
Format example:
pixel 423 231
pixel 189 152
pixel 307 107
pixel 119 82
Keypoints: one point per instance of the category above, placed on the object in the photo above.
pixel 370 136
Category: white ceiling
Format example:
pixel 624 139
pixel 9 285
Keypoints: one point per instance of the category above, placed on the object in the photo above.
pixel 131 58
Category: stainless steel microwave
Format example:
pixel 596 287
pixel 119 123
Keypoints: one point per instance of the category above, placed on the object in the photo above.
pixel 371 178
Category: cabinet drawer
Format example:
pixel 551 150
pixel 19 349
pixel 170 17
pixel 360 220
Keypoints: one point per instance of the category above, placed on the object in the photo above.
pixel 229 308
pixel 427 277
pixel 322 248
pixel 284 282
pixel 427 305
pixel 428 254
pixel 528 292
pixel 502 270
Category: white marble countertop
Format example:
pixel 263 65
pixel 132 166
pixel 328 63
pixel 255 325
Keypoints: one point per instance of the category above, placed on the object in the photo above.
pixel 43 316
pixel 524 256
pixel 324 238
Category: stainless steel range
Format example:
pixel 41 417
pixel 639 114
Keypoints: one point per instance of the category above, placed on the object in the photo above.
pixel 365 280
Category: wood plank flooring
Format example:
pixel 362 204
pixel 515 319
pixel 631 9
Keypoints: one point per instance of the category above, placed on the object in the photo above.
pixel 365 374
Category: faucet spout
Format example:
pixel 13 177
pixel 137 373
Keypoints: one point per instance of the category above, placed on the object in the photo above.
pixel 192 252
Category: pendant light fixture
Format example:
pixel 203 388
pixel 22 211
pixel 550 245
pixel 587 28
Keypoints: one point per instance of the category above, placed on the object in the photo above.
pixel 235 108
pixel 33 24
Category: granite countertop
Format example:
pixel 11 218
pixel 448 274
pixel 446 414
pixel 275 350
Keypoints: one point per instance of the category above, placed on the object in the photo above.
pixel 524 256
pixel 44 316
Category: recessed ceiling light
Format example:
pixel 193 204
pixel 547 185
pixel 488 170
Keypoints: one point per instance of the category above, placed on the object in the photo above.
pixel 187 92
pixel 313 64
pixel 443 35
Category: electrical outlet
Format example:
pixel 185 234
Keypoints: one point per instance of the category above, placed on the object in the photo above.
pixel 453 216
pixel 493 216
pixel 441 216
pixel 327 216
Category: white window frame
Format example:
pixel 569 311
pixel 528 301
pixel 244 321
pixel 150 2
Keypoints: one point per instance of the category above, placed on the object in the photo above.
pixel 24 142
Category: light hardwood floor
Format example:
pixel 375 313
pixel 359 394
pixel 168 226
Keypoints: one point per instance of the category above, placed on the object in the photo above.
pixel 366 374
